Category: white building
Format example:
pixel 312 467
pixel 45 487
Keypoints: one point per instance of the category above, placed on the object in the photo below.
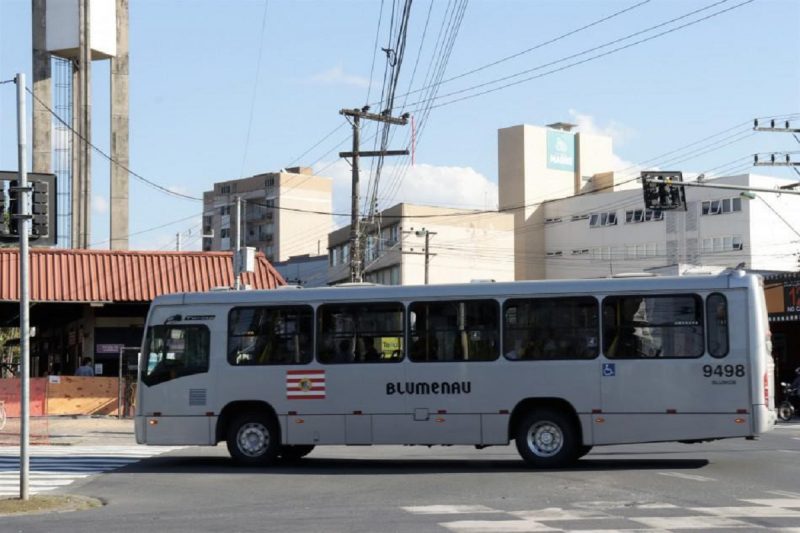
pixel 461 247
pixel 610 232
pixel 577 218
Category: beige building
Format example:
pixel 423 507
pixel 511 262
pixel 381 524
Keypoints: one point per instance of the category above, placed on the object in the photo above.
pixel 460 247
pixel 284 214
pixel 537 164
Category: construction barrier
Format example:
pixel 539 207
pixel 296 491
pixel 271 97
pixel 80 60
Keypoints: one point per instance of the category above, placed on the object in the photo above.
pixel 59 396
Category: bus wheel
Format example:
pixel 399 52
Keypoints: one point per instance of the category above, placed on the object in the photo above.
pixel 547 438
pixel 294 453
pixel 253 439
pixel 583 450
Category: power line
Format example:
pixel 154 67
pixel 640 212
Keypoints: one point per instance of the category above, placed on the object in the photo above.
pixel 592 58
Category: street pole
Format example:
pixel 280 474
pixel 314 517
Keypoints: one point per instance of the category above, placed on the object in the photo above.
pixel 177 242
pixel 237 268
pixel 24 298
pixel 355 221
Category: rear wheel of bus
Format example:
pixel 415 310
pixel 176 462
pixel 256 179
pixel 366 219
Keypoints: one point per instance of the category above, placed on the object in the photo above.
pixel 253 439
pixel 547 438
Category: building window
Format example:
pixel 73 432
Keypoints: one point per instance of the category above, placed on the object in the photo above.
pixel 721 207
pixel 269 182
pixel 642 215
pixel 557 253
pixel 225 189
pixel 726 243
pixel 580 217
pixel 554 220
pixel 225 233
pixel 603 219
pixel 225 210
pixel 601 253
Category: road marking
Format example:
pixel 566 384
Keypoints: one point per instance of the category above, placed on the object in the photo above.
pixel 451 509
pixel 55 467
pixel 690 522
pixel 750 512
pixel 499 526
pixel 690 477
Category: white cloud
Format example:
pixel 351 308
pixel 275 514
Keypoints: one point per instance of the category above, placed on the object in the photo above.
pixel 446 186
pixel 620 133
pixel 100 204
pixel 337 76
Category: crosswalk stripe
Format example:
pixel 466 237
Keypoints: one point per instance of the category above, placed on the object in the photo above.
pixel 55 467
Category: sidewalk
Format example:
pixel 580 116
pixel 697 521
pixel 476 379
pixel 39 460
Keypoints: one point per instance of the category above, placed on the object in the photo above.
pixel 73 431
pixel 91 431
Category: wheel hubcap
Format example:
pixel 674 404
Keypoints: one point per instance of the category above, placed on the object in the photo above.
pixel 253 439
pixel 545 439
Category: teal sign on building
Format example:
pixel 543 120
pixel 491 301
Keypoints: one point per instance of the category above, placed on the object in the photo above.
pixel 560 150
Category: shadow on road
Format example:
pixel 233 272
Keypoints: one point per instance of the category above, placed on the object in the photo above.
pixel 167 464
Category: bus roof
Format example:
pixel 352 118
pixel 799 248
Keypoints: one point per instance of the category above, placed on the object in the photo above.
pixel 369 292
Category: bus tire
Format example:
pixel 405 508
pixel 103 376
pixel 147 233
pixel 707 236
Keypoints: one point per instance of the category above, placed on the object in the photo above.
pixel 547 438
pixel 583 450
pixel 253 439
pixel 295 452
pixel 785 411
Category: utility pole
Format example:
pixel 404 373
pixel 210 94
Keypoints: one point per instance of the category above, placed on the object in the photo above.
pixel 178 242
pixel 24 298
pixel 356 254
pixel 237 267
pixel 427 234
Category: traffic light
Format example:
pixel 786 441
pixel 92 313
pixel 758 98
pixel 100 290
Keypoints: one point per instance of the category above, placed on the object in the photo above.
pixel 13 208
pixel 39 208
pixel 663 190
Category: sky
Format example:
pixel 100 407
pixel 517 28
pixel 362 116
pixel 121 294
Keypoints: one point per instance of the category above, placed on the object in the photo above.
pixel 223 90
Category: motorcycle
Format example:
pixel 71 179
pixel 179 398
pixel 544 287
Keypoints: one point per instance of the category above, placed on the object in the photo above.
pixel 790 404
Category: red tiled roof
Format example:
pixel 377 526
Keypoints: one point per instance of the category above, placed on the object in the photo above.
pixel 124 276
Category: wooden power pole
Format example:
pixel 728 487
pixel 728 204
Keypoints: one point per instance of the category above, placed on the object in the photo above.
pixel 356 254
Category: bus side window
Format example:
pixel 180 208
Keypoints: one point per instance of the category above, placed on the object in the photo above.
pixel 270 335
pixel 551 328
pixel 653 326
pixel 717 324
pixel 360 333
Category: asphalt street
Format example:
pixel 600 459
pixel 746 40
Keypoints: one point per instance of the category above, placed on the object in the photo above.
pixel 732 485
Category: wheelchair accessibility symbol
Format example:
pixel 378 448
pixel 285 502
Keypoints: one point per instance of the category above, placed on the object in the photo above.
pixel 609 370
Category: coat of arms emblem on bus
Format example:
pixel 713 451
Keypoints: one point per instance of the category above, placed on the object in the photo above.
pixel 305 384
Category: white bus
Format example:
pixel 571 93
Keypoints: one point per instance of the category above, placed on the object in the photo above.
pixel 556 366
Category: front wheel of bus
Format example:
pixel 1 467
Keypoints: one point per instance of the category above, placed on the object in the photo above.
pixel 295 452
pixel 253 439
pixel 547 438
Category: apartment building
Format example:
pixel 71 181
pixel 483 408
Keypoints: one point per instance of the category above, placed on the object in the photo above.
pixel 284 214
pixel 460 247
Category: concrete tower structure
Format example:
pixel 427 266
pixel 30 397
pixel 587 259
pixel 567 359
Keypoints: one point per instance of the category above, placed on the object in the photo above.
pixel 537 164
pixel 82 31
